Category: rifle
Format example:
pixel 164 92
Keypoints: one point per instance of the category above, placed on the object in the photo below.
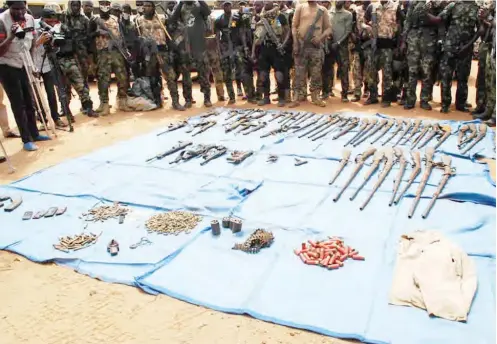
pixel 118 43
pixel 237 157
pixel 304 118
pixel 331 123
pixel 209 114
pixel 435 130
pixel 373 131
pixel 448 172
pixel 173 127
pixel 377 158
pixel 364 125
pixel 389 155
pixel 326 122
pixel 205 127
pixel 406 129
pixel 416 169
pixel 245 125
pixel 398 128
pixel 292 118
pixel 194 152
pixel 373 40
pixel 359 160
pixel 180 146
pixel 343 162
pixel 461 135
pixel 282 129
pixel 257 127
pixel 311 123
pixel 233 113
pixel 414 131
pixel 273 37
pixel 276 116
pixel 481 135
pixel 428 168
pixel 402 167
pixel 385 130
pixel 446 133
pixel 349 127
pixel 209 156
pixel 310 32
pixel 420 136
pixel 347 120
pixel 368 128
pixel 235 125
pixel 472 135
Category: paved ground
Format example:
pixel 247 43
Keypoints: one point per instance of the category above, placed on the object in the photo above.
pixel 54 305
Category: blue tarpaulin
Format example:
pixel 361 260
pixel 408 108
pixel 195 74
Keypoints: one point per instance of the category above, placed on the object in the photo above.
pixel 294 202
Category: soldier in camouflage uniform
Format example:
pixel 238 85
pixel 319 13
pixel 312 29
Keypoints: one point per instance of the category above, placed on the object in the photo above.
pixel 131 40
pixel 149 26
pixel 421 38
pixel 462 19
pixel 387 26
pixel 109 59
pixel 357 52
pixel 193 15
pixel 79 25
pixel 341 25
pixel 212 60
pixel 242 51
pixel 92 66
pixel 69 65
pixel 328 70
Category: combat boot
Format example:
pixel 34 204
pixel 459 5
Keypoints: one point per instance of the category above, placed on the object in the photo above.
pixel 104 109
pixel 88 110
pixel 491 122
pixel 316 100
pixel 356 98
pixel 484 116
pixel 425 106
pixel 188 103
pixel 231 94
pixel 444 109
pixel 371 101
pixel 479 110
pixel 207 100
pixel 264 101
pixel 123 105
pixel 281 102
pixel 177 106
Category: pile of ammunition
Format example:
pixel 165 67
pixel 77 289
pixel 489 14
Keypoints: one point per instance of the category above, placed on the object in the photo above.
pixel 106 212
pixel 330 254
pixel 75 243
pixel 173 223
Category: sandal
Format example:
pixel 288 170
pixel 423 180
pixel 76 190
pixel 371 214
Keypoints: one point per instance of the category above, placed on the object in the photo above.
pixel 113 248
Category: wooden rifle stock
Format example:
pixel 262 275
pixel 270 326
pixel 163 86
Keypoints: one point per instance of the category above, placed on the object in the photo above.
pixel 428 168
pixel 448 172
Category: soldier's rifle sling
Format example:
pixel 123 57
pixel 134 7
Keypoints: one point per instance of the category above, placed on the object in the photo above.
pixel 378 157
pixel 429 164
pixel 389 155
pixel 448 172
pixel 360 160
pixel 481 135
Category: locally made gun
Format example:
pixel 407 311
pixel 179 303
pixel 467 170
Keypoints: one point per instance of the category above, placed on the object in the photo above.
pixel 237 157
pixel 385 130
pixel 205 127
pixel 414 131
pixel 276 116
pixel 359 160
pixel 292 117
pixel 348 121
pixel 343 162
pixel 435 130
pixel 257 127
pixel 429 164
pixel 15 202
pixel 420 136
pixel 391 159
pixel 363 126
pixel 448 172
pixel 462 133
pixel 348 128
pixel 320 125
pixel 233 113
pixel 472 134
pixel 443 135
pixel 398 178
pixel 282 129
pixel 234 125
pixel 246 125
pixel 398 128
pixel 377 159
pixel 409 125
pixel 173 127
pixel 192 153
pixel 179 146
pixel 482 132
pixel 304 118
pixel 213 153
pixel 338 119
pixel 209 114
pixel 369 127
pixel 373 131
pixel 416 170
pixel 309 124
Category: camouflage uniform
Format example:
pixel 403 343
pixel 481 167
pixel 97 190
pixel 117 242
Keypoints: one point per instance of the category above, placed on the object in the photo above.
pixel 421 52
pixel 357 56
pixel 109 60
pixel 328 69
pixel 130 35
pixel 490 79
pixel 225 31
pixel 242 58
pixel 79 26
pixel 212 60
pixel 342 25
pixel 463 18
pixel 387 17
pixel 151 29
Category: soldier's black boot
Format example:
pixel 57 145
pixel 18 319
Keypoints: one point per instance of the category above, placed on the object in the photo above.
pixel 484 116
pixel 264 101
pixel 425 105
pixel 444 109
pixel 462 108
pixel 207 100
pixel 479 110
pixel 371 101
pixel 88 109
pixel 491 122
pixel 175 103
pixel 231 94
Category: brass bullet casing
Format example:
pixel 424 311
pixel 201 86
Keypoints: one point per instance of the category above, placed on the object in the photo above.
pixel 173 222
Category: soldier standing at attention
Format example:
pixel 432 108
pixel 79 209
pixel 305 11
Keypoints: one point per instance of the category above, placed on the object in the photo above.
pixel 193 14
pixel 307 51
pixel 92 67
pixel 357 52
pixel 243 45
pixel 149 26
pixel 225 29
pixel 109 59
pixel 341 26
pixel 328 70
pixel 387 15
pixel 212 59
pixel 421 39
pixel 79 26
pixel 462 19
pixel 130 35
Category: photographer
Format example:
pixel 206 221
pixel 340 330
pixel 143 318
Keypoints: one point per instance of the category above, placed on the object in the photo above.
pixel 16 28
pixel 60 40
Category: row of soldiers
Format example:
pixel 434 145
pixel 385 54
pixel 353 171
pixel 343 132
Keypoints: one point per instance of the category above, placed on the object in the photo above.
pixel 407 41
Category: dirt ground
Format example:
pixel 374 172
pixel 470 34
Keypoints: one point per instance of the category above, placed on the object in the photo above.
pixel 45 303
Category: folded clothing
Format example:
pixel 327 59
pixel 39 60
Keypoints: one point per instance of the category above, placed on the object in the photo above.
pixel 433 273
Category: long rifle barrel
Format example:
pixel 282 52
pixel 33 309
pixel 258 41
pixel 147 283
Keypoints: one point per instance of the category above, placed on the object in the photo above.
pixel 446 161
pixel 429 167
